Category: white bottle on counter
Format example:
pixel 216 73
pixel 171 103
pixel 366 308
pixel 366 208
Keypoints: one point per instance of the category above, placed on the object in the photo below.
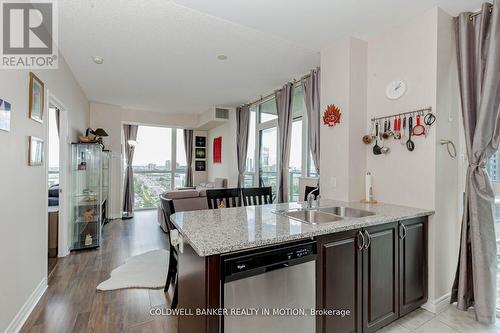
pixel 368 187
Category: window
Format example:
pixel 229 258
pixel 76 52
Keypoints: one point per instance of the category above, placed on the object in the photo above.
pixel 263 147
pixel 53 174
pixel 180 161
pixel 295 167
pixel 268 157
pixel 493 169
pixel 268 111
pixel 159 164
pixel 250 164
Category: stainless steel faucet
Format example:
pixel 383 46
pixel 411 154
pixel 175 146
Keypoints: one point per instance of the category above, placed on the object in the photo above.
pixel 310 196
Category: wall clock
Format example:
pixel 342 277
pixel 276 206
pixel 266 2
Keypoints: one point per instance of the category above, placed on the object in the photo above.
pixel 396 89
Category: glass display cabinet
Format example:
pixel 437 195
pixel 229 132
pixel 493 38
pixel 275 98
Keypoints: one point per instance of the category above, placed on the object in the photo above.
pixel 87 198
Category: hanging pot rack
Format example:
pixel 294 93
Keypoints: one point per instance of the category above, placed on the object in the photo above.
pixel 414 112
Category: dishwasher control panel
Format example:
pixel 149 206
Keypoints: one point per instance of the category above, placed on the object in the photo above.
pixel 257 262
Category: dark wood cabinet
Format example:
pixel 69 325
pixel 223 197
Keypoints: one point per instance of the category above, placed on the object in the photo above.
pixel 339 281
pixel 380 276
pixel 412 264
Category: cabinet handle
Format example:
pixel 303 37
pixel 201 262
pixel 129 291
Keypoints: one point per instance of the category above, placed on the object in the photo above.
pixel 369 240
pixel 404 231
pixel 362 245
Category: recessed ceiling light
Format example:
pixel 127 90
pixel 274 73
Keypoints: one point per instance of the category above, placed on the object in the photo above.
pixel 98 60
pixel 222 57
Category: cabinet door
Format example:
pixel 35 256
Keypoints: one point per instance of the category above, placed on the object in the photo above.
pixel 412 264
pixel 380 277
pixel 338 280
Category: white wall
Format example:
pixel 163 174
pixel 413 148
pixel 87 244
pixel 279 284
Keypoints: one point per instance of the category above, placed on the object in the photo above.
pixel 112 118
pixel 407 52
pixel 445 229
pixel 343 83
pixel 229 166
pixel 23 195
pixel 422 53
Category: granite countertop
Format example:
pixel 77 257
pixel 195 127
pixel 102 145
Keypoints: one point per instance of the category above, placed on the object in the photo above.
pixel 217 231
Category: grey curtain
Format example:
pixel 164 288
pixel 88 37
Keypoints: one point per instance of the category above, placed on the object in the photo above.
pixel 311 86
pixel 242 125
pixel 479 75
pixel 284 98
pixel 130 133
pixel 188 146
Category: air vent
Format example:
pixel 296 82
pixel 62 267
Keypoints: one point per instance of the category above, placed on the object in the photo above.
pixel 221 113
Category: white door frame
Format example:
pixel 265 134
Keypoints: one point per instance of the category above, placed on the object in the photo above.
pixel 64 172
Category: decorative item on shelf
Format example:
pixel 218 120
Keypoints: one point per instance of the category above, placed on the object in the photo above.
pixel 82 166
pixel 5 111
pixel 87 139
pixel 93 136
pixel 90 198
pixel 88 240
pixel 217 158
pixel 36 98
pixel 35 151
pixel 200 141
pixel 332 115
pixel 89 215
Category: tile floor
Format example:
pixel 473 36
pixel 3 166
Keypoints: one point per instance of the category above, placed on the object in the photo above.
pixel 450 320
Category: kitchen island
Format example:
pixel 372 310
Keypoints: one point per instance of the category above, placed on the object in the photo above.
pixel 374 266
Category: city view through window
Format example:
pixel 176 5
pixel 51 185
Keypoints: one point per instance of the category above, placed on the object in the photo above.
pixel 493 169
pixel 263 153
pixel 159 164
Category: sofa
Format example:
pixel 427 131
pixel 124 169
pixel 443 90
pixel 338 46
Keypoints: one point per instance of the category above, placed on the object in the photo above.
pixel 190 198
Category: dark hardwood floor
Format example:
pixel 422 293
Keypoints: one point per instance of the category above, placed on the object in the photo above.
pixel 72 303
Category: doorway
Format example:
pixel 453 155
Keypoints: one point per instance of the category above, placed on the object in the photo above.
pixel 56 162
pixel 53 166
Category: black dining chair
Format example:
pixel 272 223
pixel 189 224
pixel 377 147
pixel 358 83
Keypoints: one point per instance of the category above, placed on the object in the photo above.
pixel 257 196
pixel 224 198
pixel 167 206
pixel 308 190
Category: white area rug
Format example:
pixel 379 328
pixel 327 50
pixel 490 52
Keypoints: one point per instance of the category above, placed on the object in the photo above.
pixel 147 270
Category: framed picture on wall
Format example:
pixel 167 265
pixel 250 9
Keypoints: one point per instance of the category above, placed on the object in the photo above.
pixel 199 165
pixel 217 158
pixel 200 141
pixel 5 110
pixel 35 151
pixel 200 153
pixel 36 98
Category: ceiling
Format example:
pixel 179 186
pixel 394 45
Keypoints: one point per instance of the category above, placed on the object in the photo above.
pixel 161 55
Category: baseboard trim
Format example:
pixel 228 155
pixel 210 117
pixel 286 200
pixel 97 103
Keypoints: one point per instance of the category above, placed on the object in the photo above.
pixel 17 323
pixel 438 305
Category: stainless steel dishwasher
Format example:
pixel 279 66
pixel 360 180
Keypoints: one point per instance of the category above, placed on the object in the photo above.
pixel 279 282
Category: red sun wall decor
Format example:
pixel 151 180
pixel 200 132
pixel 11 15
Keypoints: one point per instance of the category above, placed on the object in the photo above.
pixel 218 149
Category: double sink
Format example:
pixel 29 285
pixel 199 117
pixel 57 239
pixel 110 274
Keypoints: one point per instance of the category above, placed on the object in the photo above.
pixel 323 215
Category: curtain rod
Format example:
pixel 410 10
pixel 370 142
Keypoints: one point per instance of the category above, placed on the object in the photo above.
pixel 263 98
pixel 479 12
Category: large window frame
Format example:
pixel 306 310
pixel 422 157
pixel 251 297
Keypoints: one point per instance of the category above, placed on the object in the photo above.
pixel 174 170
pixel 306 161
